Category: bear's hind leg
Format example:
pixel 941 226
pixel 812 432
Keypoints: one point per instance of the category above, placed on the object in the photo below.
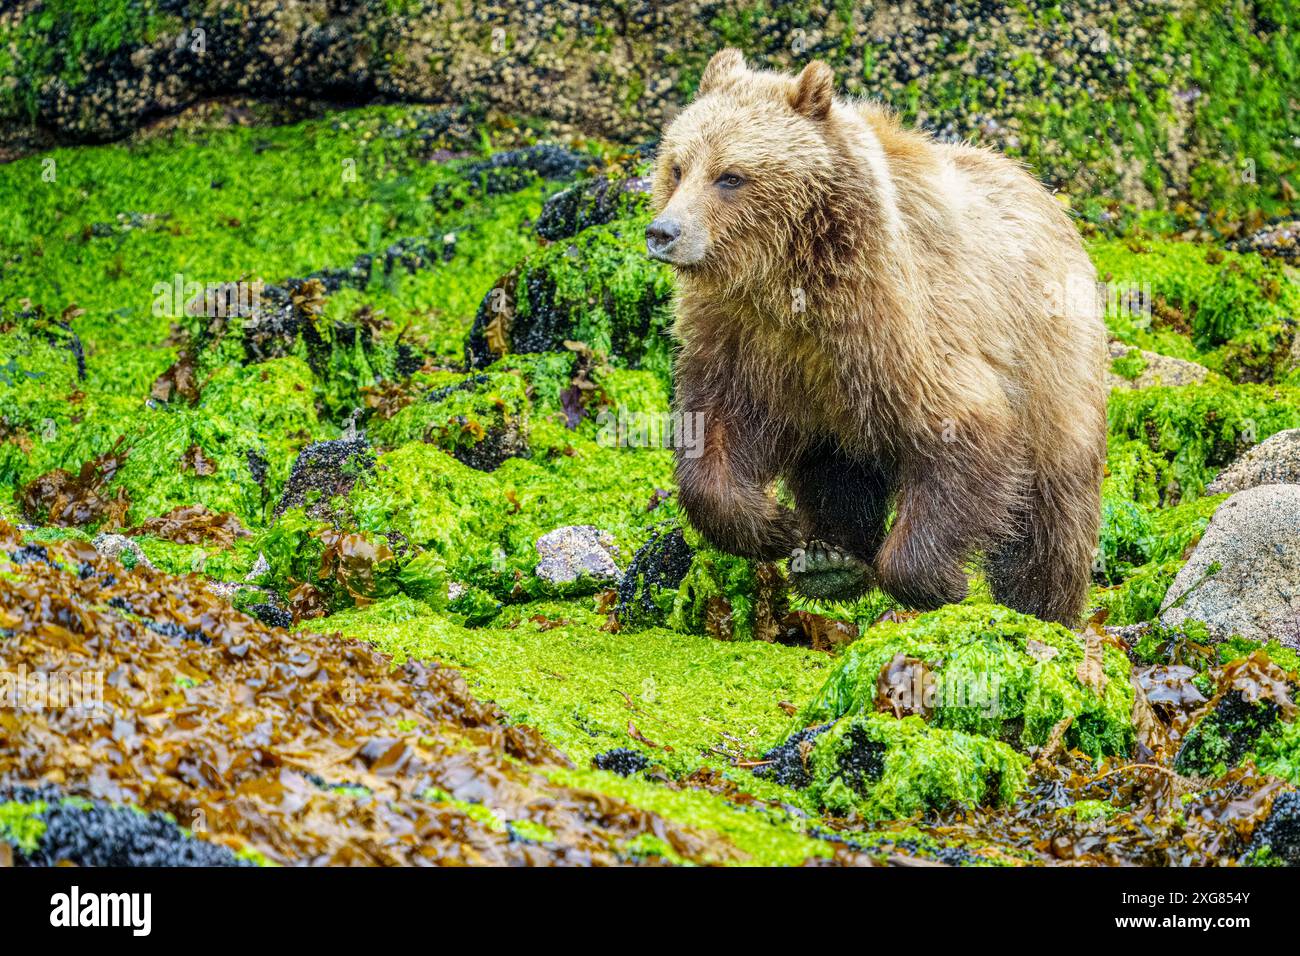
pixel 842 505
pixel 951 505
pixel 1045 570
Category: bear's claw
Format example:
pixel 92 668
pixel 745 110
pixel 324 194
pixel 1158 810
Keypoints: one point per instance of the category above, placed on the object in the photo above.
pixel 822 571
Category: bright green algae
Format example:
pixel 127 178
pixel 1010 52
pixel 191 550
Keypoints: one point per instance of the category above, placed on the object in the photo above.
pixel 921 767
pixel 989 678
pixel 549 664
pixel 22 824
pixel 1200 429
pixel 581 685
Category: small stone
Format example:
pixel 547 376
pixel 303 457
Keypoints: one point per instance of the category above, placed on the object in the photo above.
pixel 573 551
pixel 260 567
pixel 120 548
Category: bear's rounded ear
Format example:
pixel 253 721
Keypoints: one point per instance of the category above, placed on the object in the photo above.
pixel 813 91
pixel 724 66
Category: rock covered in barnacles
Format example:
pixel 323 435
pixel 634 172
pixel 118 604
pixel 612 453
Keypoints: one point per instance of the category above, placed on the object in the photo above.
pixel 121 549
pixel 1274 461
pixel 576 551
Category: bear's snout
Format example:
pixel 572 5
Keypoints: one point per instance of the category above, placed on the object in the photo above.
pixel 660 237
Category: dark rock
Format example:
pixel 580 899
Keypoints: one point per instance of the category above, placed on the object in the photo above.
pixel 328 467
pixel 30 553
pixel 579 292
pixel 863 761
pixel 1225 735
pixel 786 763
pixel 93 833
pixel 623 761
pixel 517 169
pixel 592 203
pixel 270 615
pixel 1281 831
pixel 659 564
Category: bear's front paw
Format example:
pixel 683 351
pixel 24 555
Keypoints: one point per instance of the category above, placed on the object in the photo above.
pixel 822 571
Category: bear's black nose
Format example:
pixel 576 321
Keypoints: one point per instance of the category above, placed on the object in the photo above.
pixel 661 234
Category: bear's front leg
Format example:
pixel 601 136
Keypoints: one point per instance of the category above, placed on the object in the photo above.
pixel 843 503
pixel 724 485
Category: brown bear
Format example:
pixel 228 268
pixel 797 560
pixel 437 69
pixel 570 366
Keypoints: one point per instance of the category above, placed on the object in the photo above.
pixel 894 327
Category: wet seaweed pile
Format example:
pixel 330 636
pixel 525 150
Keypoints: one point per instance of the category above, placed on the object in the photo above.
pixel 1189 794
pixel 292 748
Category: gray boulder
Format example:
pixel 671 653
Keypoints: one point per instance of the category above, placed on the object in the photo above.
pixel 1254 538
pixel 1274 461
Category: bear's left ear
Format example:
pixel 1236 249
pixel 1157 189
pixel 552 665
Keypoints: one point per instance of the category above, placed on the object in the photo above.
pixel 812 94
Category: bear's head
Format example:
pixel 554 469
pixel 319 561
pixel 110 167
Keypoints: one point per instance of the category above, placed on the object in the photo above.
pixel 745 175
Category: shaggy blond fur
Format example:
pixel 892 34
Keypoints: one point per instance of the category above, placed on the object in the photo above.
pixel 882 321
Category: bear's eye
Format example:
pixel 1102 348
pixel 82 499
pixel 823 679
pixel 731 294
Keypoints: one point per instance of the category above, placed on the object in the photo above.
pixel 729 181
pixel 677 173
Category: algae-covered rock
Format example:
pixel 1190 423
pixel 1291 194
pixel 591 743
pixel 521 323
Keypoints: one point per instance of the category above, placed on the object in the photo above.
pixel 1280 832
pixel 883 767
pixel 121 463
pixel 1140 526
pixel 1133 368
pixel 1199 429
pixel 729 598
pixel 598 288
pixel 1233 307
pixel 648 587
pixel 322 471
pixel 1278 752
pixel 480 419
pixel 231 452
pixel 514 169
pixel 591 203
pixel 1244 576
pixel 991 672
pixel 1251 718
pixel 263 322
pixel 52 828
pixel 934 712
pixel 485 525
pixel 431 499
pixel 1225 735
